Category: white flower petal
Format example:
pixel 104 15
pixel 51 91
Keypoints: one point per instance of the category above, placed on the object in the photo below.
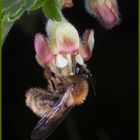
pixel 61 61
pixel 79 59
pixel 64 35
pixel 91 40
pixel 68 30
pixel 51 27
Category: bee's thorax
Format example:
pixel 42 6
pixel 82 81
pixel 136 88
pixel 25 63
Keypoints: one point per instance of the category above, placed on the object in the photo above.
pixel 80 90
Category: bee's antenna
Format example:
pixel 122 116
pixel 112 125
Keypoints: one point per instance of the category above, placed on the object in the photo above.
pixel 92 82
pixel 90 79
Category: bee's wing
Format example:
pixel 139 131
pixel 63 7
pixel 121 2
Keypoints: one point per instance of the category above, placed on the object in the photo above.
pixel 50 121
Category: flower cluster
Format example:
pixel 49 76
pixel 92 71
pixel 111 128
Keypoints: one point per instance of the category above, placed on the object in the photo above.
pixel 63 48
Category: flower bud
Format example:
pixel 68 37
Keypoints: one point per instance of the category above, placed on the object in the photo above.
pixel 105 10
pixel 67 3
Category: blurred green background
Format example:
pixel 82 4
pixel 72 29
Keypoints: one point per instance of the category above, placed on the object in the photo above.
pixel 112 114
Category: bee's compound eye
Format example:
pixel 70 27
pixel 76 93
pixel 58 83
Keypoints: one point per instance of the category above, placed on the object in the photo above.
pixel 77 70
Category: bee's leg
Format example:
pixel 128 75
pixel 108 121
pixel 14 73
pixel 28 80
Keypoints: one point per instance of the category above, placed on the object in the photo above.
pixel 39 100
pixel 49 76
pixel 52 79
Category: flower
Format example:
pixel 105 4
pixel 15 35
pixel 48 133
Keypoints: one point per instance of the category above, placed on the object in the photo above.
pixel 105 10
pixel 63 48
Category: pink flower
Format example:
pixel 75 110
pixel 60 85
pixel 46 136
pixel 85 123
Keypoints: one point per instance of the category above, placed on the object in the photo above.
pixel 105 10
pixel 63 44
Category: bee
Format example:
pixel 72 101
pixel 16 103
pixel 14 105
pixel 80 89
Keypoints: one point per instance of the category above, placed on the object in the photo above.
pixel 53 104
pixel 68 86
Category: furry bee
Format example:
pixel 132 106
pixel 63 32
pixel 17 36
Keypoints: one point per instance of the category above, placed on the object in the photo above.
pixel 67 86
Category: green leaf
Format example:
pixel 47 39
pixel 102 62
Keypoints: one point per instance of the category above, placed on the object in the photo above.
pixel 12 10
pixel 59 2
pixel 29 4
pixel 52 10
pixel 15 7
pixel 38 4
pixel 5 26
pixel 7 3
pixel 16 16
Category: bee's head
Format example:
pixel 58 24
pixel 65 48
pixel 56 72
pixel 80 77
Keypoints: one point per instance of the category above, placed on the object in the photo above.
pixel 81 70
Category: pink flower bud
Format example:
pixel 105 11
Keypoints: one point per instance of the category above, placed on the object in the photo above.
pixel 42 51
pixel 105 10
pixel 87 48
pixel 67 3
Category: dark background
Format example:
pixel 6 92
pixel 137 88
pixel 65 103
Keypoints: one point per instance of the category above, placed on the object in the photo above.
pixel 112 114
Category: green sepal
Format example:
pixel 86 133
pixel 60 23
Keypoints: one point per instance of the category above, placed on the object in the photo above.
pixel 52 10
